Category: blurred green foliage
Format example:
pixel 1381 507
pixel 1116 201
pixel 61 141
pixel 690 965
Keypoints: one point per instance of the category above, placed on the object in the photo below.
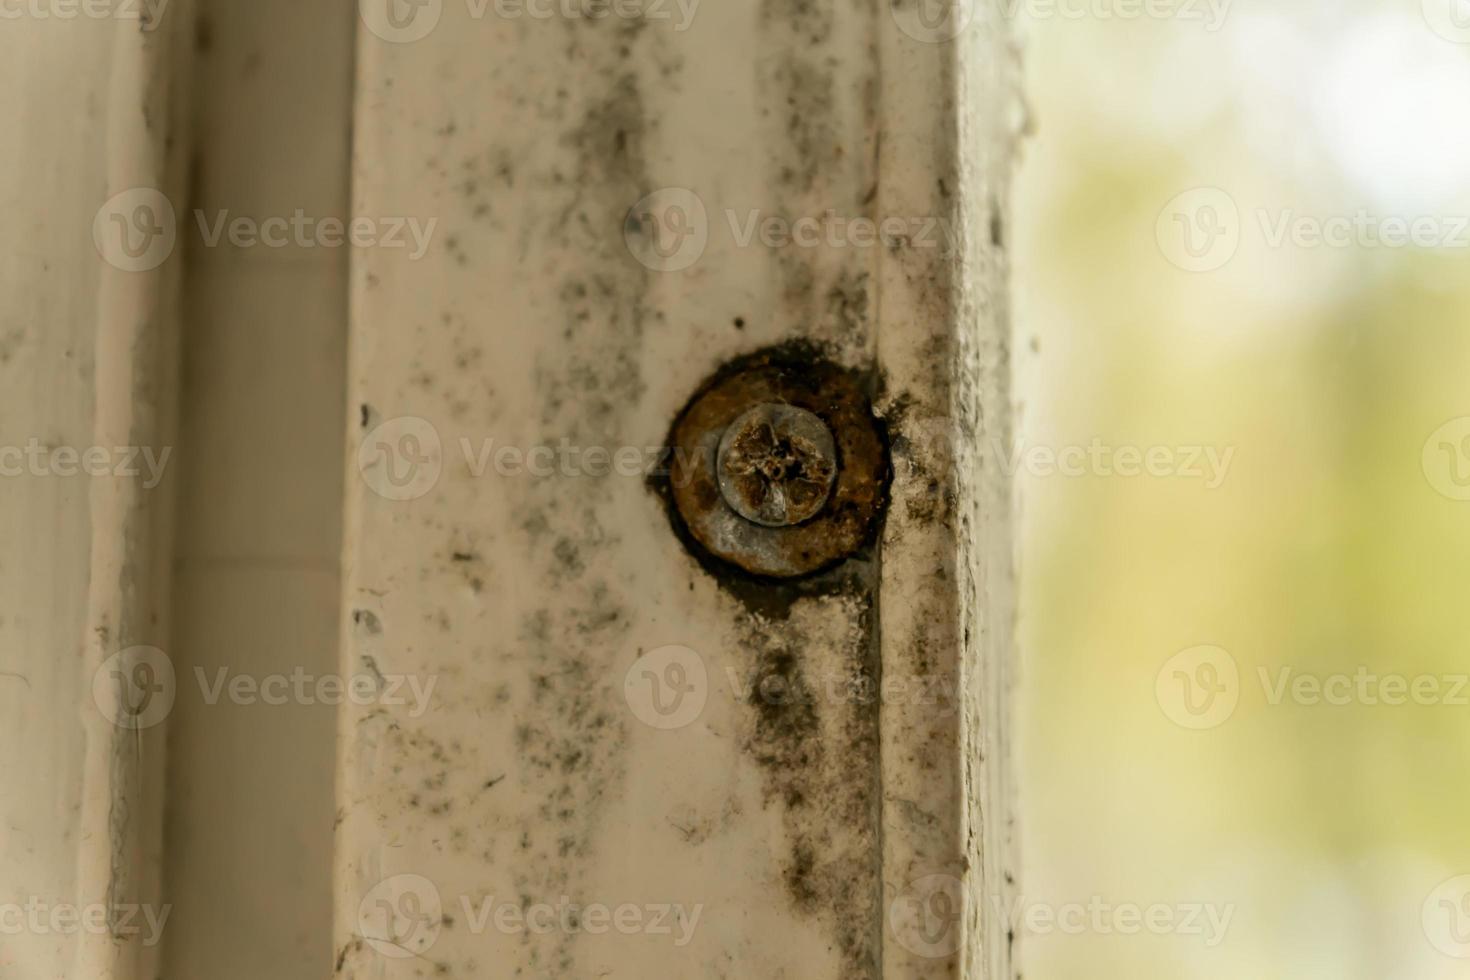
pixel 1333 545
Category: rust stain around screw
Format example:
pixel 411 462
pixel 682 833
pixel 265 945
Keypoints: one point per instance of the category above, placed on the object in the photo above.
pixel 778 465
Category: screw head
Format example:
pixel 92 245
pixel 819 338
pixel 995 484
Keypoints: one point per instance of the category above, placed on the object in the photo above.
pixel 754 479
pixel 777 465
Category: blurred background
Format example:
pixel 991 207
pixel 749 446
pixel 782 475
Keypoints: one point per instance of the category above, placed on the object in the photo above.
pixel 1243 318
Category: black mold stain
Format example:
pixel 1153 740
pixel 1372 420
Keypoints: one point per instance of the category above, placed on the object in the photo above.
pixel 368 621
pixel 818 755
pixel 939 501
pixel 570 738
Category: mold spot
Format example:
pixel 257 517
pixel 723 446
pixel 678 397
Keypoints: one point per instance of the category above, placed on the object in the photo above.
pixel 367 621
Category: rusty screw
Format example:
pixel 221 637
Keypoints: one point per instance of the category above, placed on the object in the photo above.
pixel 777 465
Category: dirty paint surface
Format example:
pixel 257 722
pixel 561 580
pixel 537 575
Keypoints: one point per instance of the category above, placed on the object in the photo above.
pixel 615 728
pixel 88 361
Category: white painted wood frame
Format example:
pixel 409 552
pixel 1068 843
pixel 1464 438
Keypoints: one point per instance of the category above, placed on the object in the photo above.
pixel 827 837
pixel 567 216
